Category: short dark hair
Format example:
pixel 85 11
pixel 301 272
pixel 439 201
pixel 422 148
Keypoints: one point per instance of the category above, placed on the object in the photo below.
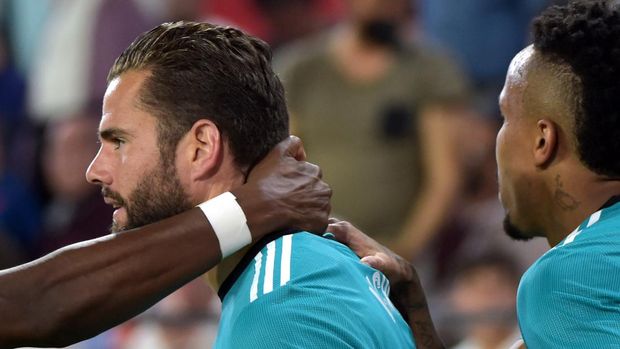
pixel 491 259
pixel 585 34
pixel 200 70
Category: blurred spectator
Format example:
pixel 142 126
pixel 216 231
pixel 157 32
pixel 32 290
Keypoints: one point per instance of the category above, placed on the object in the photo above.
pixel 290 20
pixel 59 78
pixel 76 210
pixel 485 35
pixel 119 22
pixel 19 215
pixel 81 40
pixel 275 21
pixel 483 303
pixel 12 92
pixel 377 114
pixel 25 21
pixel 184 320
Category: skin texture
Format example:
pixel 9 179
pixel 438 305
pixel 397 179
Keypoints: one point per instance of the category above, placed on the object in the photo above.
pixel 545 188
pixel 128 166
pixel 83 289
pixel 203 167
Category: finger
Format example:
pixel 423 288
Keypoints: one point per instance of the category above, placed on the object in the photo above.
pixel 295 148
pixel 341 233
pixel 309 169
pixel 333 220
pixel 373 262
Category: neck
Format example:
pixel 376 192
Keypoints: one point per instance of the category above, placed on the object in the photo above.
pixel 216 186
pixel 574 198
pixel 358 60
pixel 218 274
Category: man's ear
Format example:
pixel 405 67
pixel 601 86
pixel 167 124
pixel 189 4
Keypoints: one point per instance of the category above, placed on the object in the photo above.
pixel 206 149
pixel 546 146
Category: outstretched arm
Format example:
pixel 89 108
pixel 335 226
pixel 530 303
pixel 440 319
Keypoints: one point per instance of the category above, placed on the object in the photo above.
pixel 83 289
pixel 406 291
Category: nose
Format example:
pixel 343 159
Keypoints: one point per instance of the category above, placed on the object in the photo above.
pixel 98 171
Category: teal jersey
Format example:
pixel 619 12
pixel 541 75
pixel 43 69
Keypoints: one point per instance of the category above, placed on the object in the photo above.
pixel 570 298
pixel 306 291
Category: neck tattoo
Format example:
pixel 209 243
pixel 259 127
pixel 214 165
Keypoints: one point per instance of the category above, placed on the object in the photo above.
pixel 566 201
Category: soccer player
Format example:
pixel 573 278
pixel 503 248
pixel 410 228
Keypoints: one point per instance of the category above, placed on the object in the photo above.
pixel 86 288
pixel 559 178
pixel 189 108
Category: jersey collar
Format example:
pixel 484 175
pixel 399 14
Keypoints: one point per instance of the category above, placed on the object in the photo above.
pixel 612 201
pixel 247 259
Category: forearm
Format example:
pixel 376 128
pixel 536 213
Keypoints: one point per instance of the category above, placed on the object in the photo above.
pixel 83 289
pixel 426 218
pixel 442 180
pixel 409 299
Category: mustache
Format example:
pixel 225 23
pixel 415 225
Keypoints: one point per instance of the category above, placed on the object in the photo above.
pixel 116 197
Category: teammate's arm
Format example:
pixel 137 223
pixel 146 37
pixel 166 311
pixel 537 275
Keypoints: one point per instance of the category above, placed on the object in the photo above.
pixel 406 290
pixel 83 289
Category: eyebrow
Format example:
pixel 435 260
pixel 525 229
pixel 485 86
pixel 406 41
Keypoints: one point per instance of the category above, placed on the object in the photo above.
pixel 113 133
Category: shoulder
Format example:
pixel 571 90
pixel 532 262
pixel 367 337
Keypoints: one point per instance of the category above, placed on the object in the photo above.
pixel 584 264
pixel 315 317
pixel 572 293
pixel 300 259
pixel 304 290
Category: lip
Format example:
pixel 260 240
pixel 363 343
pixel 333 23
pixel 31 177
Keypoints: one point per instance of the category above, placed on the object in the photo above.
pixel 111 202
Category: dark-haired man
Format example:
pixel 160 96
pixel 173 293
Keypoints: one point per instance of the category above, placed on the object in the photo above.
pixel 559 178
pixel 189 109
pixel 86 288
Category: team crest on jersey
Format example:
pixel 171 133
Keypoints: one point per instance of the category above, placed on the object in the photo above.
pixel 379 286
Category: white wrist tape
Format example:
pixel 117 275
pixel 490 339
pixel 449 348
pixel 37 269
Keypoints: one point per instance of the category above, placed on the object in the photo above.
pixel 228 222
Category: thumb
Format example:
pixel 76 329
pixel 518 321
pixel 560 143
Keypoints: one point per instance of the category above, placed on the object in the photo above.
pixel 373 262
pixel 293 146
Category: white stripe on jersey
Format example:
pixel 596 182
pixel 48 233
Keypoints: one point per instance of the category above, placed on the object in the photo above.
pixel 594 218
pixel 254 288
pixel 571 237
pixel 285 266
pixel 285 261
pixel 271 257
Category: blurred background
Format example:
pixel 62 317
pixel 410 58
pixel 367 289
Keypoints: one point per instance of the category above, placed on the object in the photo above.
pixel 395 99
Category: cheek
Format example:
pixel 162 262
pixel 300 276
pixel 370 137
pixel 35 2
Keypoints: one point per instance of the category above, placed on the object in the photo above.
pixel 133 167
pixel 498 144
pixel 500 156
pixel 504 163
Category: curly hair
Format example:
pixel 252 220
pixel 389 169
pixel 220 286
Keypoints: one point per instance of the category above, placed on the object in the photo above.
pixel 200 70
pixel 585 34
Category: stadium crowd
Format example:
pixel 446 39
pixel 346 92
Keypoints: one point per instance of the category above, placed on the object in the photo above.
pixel 396 100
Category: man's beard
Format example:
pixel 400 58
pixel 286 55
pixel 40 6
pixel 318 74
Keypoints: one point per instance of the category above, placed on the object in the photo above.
pixel 158 195
pixel 513 231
